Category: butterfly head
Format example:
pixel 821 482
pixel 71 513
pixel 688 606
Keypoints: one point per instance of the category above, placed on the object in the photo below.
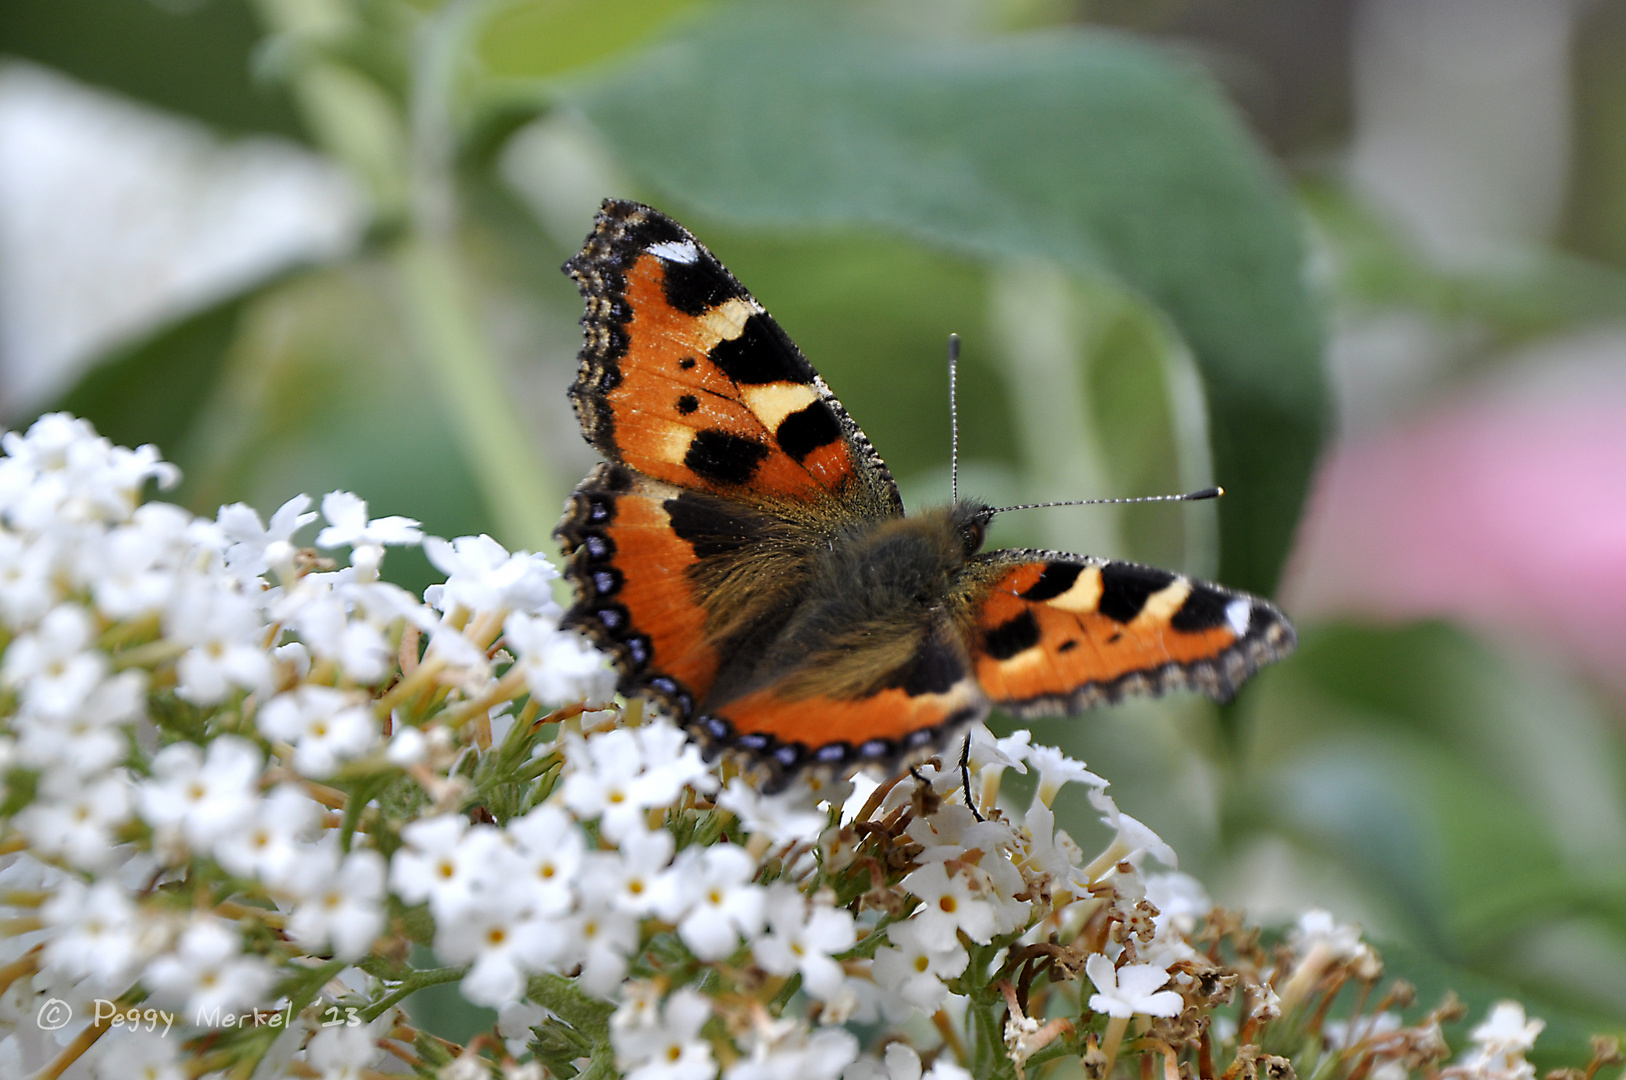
pixel 970 521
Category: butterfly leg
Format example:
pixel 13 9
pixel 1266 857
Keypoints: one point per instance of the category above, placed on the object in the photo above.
pixel 965 775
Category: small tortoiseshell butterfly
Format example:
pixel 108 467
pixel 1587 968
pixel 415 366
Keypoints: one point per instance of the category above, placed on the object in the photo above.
pixel 744 555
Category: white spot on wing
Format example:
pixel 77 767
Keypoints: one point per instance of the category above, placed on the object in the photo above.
pixel 1239 613
pixel 677 251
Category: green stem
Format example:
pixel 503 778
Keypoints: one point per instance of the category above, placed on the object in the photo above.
pixel 409 986
pixel 522 499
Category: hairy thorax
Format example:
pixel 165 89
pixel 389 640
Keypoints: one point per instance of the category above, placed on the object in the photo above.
pixel 874 593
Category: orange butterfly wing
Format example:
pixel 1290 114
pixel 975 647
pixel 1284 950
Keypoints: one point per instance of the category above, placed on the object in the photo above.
pixel 1054 633
pixel 687 379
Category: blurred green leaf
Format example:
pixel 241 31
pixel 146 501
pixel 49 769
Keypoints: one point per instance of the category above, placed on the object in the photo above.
pixel 152 390
pixel 193 59
pixel 1521 296
pixel 535 38
pixel 1566 1040
pixel 1093 151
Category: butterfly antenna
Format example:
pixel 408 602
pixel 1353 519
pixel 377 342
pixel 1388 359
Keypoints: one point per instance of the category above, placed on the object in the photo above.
pixel 954 418
pixel 1190 496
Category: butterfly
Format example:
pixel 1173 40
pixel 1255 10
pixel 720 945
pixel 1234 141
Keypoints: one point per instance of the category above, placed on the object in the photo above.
pixel 743 553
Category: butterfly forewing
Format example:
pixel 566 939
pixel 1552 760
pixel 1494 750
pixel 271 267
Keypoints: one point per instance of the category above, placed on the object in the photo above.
pixel 687 379
pixel 1058 633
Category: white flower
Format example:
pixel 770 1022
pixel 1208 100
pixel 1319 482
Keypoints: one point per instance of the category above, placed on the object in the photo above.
pixel 28 588
pixel 268 843
pixel 434 861
pixel 134 571
pixel 1057 769
pixel 143 1055
pixel 256 548
pixel 711 897
pixel 202 798
pixel 781 818
pixel 96 933
pixel 1506 1031
pixel 208 973
pixel 344 1053
pixel 608 781
pixel 559 665
pixel 603 938
pixel 1130 990
pixel 950 904
pixel 504 940
pixel 74 820
pixel 482 576
pixel 632 879
pixel 796 1055
pixel 348 526
pixel 53 667
pixel 1180 900
pixel 91 738
pixel 911 971
pixel 551 846
pixel 902 1063
pixel 1317 929
pixel 226 634
pixel 407 747
pixel 342 902
pixel 62 471
pixel 1133 838
pixel 326 727
pixel 805 938
pixel 669 1048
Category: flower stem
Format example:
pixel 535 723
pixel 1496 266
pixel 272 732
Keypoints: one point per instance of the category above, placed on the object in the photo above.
pixel 1114 1039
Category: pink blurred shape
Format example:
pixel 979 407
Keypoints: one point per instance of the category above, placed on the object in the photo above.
pixel 1508 514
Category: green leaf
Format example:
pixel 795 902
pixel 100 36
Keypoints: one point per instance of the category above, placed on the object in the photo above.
pixel 1091 151
pixel 562 997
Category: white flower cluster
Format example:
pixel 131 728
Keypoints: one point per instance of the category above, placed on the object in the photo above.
pixel 108 606
pixel 239 777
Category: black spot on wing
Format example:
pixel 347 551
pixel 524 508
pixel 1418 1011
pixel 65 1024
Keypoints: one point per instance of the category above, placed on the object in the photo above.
pixel 761 354
pixel 710 526
pixel 934 669
pixel 807 429
pixel 697 287
pixel 1125 587
pixel 1068 646
pixel 687 404
pixel 723 457
pixel 1009 638
pixel 686 363
pixel 1204 609
pixel 1057 578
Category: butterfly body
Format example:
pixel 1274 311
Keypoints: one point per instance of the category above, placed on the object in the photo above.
pixel 745 557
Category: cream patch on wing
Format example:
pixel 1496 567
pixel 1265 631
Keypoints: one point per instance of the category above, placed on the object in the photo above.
pixel 1161 606
pixel 1084 596
pixel 726 321
pixel 673 442
pixel 772 402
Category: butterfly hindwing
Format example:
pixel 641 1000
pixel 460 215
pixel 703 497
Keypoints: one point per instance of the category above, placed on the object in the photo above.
pixel 1056 633
pixel 674 583
pixel 882 704
pixel 687 379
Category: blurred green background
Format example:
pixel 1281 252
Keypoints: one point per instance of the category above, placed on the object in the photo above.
pixel 1359 261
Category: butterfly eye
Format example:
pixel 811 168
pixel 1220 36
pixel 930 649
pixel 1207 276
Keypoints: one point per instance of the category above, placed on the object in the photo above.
pixel 972 534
